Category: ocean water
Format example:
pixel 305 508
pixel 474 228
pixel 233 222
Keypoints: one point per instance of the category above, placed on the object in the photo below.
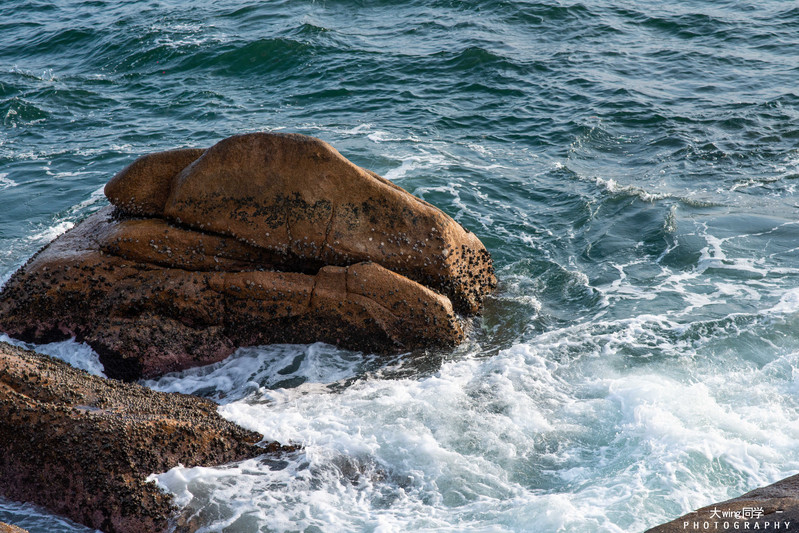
pixel 631 165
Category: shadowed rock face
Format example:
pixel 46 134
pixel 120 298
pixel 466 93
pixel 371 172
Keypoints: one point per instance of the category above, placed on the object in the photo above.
pixel 82 446
pixel 771 508
pixel 262 238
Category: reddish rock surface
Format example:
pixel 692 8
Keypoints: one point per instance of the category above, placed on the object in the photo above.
pixel 771 508
pixel 83 446
pixel 262 238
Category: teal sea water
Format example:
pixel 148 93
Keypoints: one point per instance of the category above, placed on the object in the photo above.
pixel 631 165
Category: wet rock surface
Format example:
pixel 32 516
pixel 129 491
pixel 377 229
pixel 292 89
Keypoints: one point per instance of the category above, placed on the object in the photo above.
pixel 774 507
pixel 262 238
pixel 83 446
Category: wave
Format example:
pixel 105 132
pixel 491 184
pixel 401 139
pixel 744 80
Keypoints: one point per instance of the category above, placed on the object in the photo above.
pixel 544 14
pixel 387 454
pixel 36 519
pixel 17 111
pixel 273 55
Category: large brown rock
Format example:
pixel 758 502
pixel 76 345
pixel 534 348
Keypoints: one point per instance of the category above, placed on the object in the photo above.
pixel 83 446
pixel 260 239
pixel 771 508
pixel 145 319
pixel 297 197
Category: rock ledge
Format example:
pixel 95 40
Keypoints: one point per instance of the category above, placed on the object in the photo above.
pixel 83 446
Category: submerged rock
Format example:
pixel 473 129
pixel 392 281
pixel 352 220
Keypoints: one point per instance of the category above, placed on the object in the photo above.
pixel 83 446
pixel 771 508
pixel 262 238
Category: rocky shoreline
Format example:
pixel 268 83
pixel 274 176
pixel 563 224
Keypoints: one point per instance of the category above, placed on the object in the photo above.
pixel 259 239
pixel 262 238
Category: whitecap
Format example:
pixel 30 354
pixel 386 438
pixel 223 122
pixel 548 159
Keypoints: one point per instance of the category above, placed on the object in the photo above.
pixel 96 197
pixel 561 423
pixel 47 75
pixel 788 304
pixel 360 128
pixel 613 187
pixel 51 232
pixel 400 172
pixel 6 182
pixel 384 136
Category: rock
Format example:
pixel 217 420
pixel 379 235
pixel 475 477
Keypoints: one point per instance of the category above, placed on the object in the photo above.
pixel 771 508
pixel 262 238
pixel 298 198
pixel 8 528
pixel 83 446
pixel 145 320
pixel 148 180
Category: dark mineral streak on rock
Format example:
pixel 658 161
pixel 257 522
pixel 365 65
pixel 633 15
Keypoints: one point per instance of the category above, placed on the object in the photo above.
pixel 262 238
pixel 759 509
pixel 82 446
